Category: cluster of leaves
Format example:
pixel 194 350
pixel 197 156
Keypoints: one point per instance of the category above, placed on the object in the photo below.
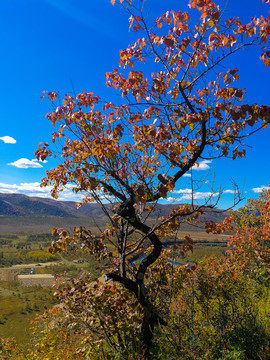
pixel 100 319
pixel 252 237
pixel 81 238
pixel 9 349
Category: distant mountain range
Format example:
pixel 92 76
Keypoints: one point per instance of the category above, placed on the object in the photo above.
pixel 33 214
pixel 22 205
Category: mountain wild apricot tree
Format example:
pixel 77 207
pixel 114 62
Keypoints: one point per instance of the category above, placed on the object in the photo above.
pixel 135 152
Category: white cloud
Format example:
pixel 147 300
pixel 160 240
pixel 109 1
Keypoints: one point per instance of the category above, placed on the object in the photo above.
pixel 199 195
pixel 202 165
pixel 187 175
pixel 182 191
pixel 229 191
pixel 260 189
pixel 173 200
pixel 187 195
pixel 8 140
pixel 31 189
pixel 24 163
pixel 34 189
pixel 7 188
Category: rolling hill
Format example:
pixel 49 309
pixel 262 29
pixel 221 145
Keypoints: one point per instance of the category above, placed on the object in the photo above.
pixel 21 213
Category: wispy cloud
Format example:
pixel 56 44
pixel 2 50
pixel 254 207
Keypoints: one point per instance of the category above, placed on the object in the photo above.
pixel 77 13
pixel 229 191
pixel 24 163
pixel 188 195
pixel 199 195
pixel 34 189
pixel 24 188
pixel 257 190
pixel 182 191
pixel 8 140
pixel 195 196
pixel 68 9
pixel 173 200
pixel 202 165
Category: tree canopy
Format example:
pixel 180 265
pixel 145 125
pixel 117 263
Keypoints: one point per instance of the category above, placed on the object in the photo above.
pixel 133 153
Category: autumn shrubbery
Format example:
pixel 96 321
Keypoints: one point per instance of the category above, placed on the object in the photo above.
pixel 9 349
pixel 213 312
pixel 219 309
pixel 217 313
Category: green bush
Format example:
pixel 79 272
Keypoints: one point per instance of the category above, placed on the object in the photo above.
pixel 40 256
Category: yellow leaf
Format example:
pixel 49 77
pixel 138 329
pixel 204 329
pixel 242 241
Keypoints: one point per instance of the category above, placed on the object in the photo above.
pixel 266 62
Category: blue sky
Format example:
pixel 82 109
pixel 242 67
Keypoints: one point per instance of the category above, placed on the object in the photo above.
pixel 60 44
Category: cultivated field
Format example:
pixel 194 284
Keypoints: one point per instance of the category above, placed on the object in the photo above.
pixel 21 252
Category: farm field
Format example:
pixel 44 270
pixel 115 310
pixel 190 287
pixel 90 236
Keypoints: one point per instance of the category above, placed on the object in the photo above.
pixel 204 245
pixel 19 305
pixel 21 252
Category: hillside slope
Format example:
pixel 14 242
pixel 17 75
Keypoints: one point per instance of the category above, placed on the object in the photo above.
pixel 21 213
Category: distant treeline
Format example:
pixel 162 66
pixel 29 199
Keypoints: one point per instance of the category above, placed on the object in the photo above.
pixel 40 237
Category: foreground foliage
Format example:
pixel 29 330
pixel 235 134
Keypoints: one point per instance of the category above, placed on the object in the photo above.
pixel 218 309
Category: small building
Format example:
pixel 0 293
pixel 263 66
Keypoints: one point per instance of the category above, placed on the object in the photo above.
pixel 36 280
